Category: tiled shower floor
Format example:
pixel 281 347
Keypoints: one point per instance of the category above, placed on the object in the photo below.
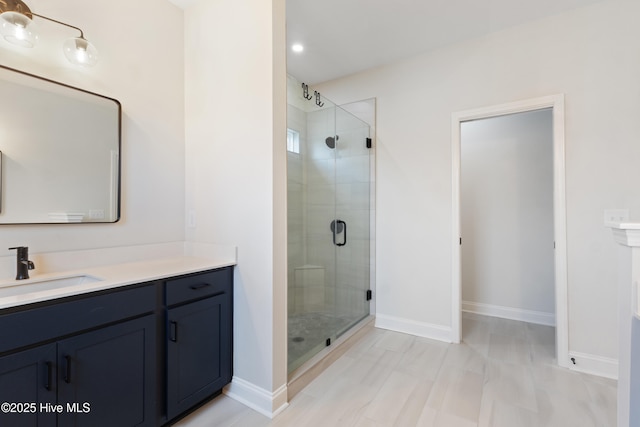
pixel 308 333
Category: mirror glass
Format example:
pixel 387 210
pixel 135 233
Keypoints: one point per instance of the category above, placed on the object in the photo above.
pixel 60 152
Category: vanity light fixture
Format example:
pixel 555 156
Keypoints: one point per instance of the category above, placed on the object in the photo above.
pixel 16 26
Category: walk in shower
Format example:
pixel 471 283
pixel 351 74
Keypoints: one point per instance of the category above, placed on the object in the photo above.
pixel 329 221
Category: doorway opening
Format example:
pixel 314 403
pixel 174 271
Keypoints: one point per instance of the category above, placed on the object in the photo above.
pixel 559 274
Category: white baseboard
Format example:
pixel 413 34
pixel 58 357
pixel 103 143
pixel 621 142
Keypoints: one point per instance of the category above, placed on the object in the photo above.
pixel 412 327
pixel 594 365
pixel 267 403
pixel 529 316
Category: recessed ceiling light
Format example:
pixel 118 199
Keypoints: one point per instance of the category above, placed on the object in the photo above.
pixel 297 48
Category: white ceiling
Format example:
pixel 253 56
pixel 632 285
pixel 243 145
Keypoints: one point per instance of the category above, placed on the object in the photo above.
pixel 342 37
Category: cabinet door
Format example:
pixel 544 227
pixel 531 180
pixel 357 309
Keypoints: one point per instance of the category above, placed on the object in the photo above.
pixel 29 377
pixel 107 377
pixel 199 348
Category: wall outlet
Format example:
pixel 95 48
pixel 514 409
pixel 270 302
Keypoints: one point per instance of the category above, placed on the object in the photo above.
pixel 615 216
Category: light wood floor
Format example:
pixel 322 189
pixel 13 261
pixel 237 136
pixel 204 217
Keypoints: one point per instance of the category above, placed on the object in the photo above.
pixel 502 375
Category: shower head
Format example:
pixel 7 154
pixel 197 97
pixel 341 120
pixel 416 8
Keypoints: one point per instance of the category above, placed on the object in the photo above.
pixel 331 141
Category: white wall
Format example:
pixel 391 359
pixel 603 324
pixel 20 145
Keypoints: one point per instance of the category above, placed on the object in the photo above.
pixel 506 194
pixel 235 84
pixel 586 54
pixel 141 65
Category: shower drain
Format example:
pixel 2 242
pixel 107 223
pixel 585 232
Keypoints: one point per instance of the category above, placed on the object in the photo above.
pixel 298 339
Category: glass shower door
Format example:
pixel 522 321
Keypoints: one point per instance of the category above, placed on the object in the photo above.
pixel 353 210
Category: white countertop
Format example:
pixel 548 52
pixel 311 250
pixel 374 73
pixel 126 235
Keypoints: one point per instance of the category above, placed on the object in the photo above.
pixel 112 276
pixel 628 234
pixel 625 225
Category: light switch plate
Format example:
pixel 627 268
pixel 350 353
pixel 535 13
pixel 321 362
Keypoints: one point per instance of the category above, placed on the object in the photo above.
pixel 191 219
pixel 615 216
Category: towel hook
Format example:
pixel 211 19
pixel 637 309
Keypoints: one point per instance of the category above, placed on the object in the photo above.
pixel 305 91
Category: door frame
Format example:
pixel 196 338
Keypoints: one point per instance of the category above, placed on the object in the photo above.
pixel 556 103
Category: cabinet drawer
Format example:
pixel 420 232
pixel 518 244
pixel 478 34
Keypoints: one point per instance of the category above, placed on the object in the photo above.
pixel 34 325
pixel 198 286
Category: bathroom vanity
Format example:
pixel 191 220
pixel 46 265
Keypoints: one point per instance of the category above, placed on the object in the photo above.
pixel 125 353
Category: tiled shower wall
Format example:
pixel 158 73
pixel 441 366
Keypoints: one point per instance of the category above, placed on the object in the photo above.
pixel 320 207
pixel 296 120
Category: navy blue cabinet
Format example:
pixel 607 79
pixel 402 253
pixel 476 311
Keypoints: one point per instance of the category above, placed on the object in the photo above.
pixel 107 377
pixel 199 338
pixel 140 355
pixel 103 374
pixel 28 382
pixel 99 378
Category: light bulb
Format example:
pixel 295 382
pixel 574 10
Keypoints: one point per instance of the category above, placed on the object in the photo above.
pixel 18 29
pixel 79 51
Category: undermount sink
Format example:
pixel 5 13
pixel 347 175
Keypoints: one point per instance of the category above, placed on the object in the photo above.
pixel 18 287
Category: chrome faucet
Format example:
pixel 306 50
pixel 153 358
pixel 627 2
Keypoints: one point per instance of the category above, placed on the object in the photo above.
pixel 23 265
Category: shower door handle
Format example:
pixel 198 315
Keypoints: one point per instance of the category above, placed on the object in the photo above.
pixel 344 242
pixel 337 227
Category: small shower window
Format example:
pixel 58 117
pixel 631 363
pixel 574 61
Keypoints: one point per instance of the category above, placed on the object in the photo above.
pixel 293 141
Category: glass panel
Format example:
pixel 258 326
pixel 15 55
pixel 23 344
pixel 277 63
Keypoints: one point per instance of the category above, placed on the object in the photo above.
pixel 311 208
pixel 328 222
pixel 353 208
